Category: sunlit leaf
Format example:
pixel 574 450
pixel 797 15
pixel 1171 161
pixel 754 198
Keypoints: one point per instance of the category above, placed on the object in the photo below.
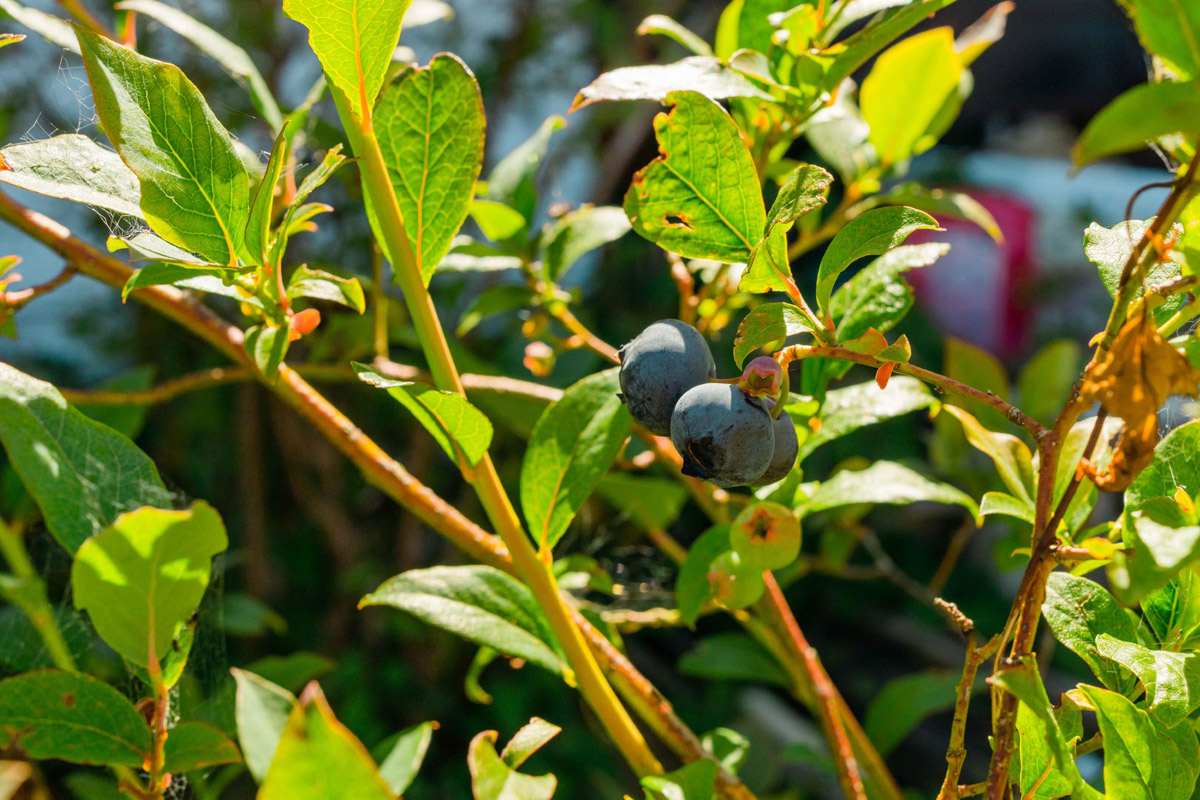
pixel 72 167
pixel 1139 117
pixel 701 73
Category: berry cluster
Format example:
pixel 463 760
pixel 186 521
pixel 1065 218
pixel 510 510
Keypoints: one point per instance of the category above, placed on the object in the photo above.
pixel 724 431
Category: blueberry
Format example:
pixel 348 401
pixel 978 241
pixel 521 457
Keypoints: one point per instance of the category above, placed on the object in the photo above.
pixel 664 361
pixel 787 447
pixel 725 436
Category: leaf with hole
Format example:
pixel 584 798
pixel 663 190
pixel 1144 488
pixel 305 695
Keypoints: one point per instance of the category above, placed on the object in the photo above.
pixel 700 198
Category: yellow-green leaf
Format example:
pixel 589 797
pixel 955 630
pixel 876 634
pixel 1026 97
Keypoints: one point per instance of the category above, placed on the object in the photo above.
pixel 430 125
pixel 1139 117
pixel 195 190
pixel 701 197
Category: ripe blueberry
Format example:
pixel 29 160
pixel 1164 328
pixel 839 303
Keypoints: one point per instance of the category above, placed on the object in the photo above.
pixel 725 436
pixel 664 361
pixel 787 447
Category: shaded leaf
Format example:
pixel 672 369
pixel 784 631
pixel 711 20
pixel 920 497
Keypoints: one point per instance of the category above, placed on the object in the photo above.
pixel 665 26
pixel 1173 612
pixel 320 285
pixel 652 503
pixel 849 408
pixel 262 710
pixel 197 745
pixel 692 588
pixel 494 300
pixel 1006 505
pixel 527 741
pixel 267 345
pixel 513 181
pixel 904 702
pixel 480 604
pixel 579 232
pixel 885 483
pixel 700 198
pixel 1014 462
pixel 207 280
pixel 72 717
pixel 694 781
pixel 1139 117
pixel 571 447
pixel 81 474
pixel 144 576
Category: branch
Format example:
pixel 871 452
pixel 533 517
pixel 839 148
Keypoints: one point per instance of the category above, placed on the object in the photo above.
pixel 938 381
pixel 377 467
pixel 21 297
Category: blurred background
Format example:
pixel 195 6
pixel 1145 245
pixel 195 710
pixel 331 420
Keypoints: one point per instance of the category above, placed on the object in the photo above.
pixel 309 538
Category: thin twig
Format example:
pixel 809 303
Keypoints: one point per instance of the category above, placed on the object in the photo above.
pixel 845 764
pixel 21 297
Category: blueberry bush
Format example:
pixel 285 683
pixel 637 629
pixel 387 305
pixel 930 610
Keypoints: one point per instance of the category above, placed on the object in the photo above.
pixel 806 259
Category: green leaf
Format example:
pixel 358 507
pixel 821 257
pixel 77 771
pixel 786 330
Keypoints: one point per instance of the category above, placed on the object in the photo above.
pixel 906 88
pixel 430 125
pixel 652 503
pixel 768 323
pixel 1044 383
pixel 578 233
pixel 839 135
pixel 1079 610
pixel 733 657
pixel 1173 612
pixel 701 73
pixel 294 670
pixel 850 408
pixel 1171 680
pixel 404 754
pixel 262 710
pixel 267 345
pixel 728 747
pixel 1006 505
pixel 966 363
pixel 79 472
pixel 72 717
pixel 884 483
pixel 494 300
pixel 865 43
pixel 320 759
pixel 51 28
pixel 665 26
pixel 1110 248
pixel 904 702
pixel 1143 759
pixel 691 585
pixel 527 741
pixel 1160 539
pixel 208 280
pixel 232 58
pixel 197 745
pixel 700 198
pixel 939 202
pixel 873 233
pixel 195 190
pixel 769 268
pixel 497 221
pixel 258 224
pixel 513 181
pixel 1023 681
pixel 1034 760
pixel 454 423
pixel 571 447
pixel 143 576
pixel 1176 465
pixel 72 167
pixel 320 285
pixel 694 781
pixel 1138 117
pixel 480 604
pixel 1170 29
pixel 354 40
pixel 492 779
pixel 878 297
pixel 1014 462
pixel 146 246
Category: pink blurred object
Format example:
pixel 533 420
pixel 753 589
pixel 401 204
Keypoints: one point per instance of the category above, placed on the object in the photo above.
pixel 975 291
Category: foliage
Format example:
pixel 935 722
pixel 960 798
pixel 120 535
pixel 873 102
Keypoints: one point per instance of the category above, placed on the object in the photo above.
pixel 737 217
